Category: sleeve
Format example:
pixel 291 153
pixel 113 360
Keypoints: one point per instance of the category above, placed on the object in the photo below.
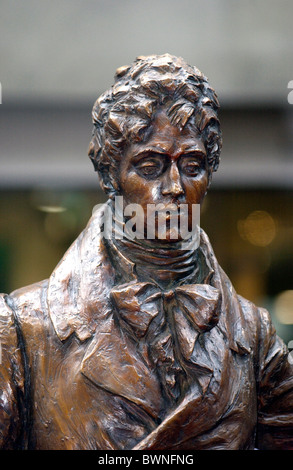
pixel 12 387
pixel 275 389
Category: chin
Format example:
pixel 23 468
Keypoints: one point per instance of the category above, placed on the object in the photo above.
pixel 168 239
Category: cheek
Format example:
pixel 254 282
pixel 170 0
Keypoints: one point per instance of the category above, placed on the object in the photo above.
pixel 137 190
pixel 196 189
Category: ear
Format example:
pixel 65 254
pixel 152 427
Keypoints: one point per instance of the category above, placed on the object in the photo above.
pixel 108 180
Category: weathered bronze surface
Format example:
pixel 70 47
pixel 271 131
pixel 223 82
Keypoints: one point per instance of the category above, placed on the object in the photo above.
pixel 137 343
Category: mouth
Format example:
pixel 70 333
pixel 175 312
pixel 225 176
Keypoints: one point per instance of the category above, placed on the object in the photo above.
pixel 173 210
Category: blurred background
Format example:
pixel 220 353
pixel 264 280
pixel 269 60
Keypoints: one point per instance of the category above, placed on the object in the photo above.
pixel 56 57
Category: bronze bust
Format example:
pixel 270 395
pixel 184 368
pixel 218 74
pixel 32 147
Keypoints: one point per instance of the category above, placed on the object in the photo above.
pixel 135 342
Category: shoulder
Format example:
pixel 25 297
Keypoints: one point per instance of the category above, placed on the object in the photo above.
pixel 270 350
pixel 8 334
pixel 12 382
pixel 28 305
pixel 257 319
pixel 246 323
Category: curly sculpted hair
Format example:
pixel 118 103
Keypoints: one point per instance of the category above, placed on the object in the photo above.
pixel 124 113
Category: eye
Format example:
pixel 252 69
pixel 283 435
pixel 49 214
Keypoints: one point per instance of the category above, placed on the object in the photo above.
pixel 192 169
pixel 151 167
pixel 191 165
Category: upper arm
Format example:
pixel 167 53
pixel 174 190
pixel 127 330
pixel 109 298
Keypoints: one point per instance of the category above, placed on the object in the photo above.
pixel 275 388
pixel 11 380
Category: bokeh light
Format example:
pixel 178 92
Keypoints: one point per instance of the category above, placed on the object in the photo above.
pixel 259 228
pixel 283 307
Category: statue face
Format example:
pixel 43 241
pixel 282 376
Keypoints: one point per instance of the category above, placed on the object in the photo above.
pixel 170 167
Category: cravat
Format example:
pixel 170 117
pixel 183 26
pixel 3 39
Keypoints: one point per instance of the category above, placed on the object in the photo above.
pixel 188 311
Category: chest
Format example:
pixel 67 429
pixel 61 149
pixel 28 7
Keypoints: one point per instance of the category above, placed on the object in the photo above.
pixel 70 410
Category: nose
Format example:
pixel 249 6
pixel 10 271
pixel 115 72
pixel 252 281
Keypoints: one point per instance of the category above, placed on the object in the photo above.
pixel 172 184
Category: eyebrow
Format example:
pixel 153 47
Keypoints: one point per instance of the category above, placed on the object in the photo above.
pixel 163 151
pixel 194 150
pixel 150 149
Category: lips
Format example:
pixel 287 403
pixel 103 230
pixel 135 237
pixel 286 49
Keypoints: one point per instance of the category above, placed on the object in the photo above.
pixel 170 210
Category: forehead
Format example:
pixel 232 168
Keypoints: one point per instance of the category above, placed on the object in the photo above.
pixel 169 138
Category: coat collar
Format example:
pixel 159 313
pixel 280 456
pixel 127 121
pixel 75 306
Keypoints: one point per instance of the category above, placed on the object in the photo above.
pixel 79 287
pixel 79 302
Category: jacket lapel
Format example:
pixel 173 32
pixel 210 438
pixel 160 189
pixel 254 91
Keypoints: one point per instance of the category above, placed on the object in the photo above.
pixel 213 391
pixel 112 362
pixel 189 417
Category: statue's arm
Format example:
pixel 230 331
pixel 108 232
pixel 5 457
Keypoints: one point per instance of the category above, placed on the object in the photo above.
pixel 12 387
pixel 275 389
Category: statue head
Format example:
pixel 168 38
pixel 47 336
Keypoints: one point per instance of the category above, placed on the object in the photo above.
pixel 127 113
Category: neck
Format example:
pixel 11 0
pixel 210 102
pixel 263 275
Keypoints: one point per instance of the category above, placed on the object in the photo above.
pixel 162 263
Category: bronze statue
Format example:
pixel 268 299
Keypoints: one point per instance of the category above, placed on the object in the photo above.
pixel 138 343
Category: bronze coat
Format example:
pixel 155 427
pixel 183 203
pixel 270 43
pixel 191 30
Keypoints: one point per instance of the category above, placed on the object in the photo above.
pixel 72 376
